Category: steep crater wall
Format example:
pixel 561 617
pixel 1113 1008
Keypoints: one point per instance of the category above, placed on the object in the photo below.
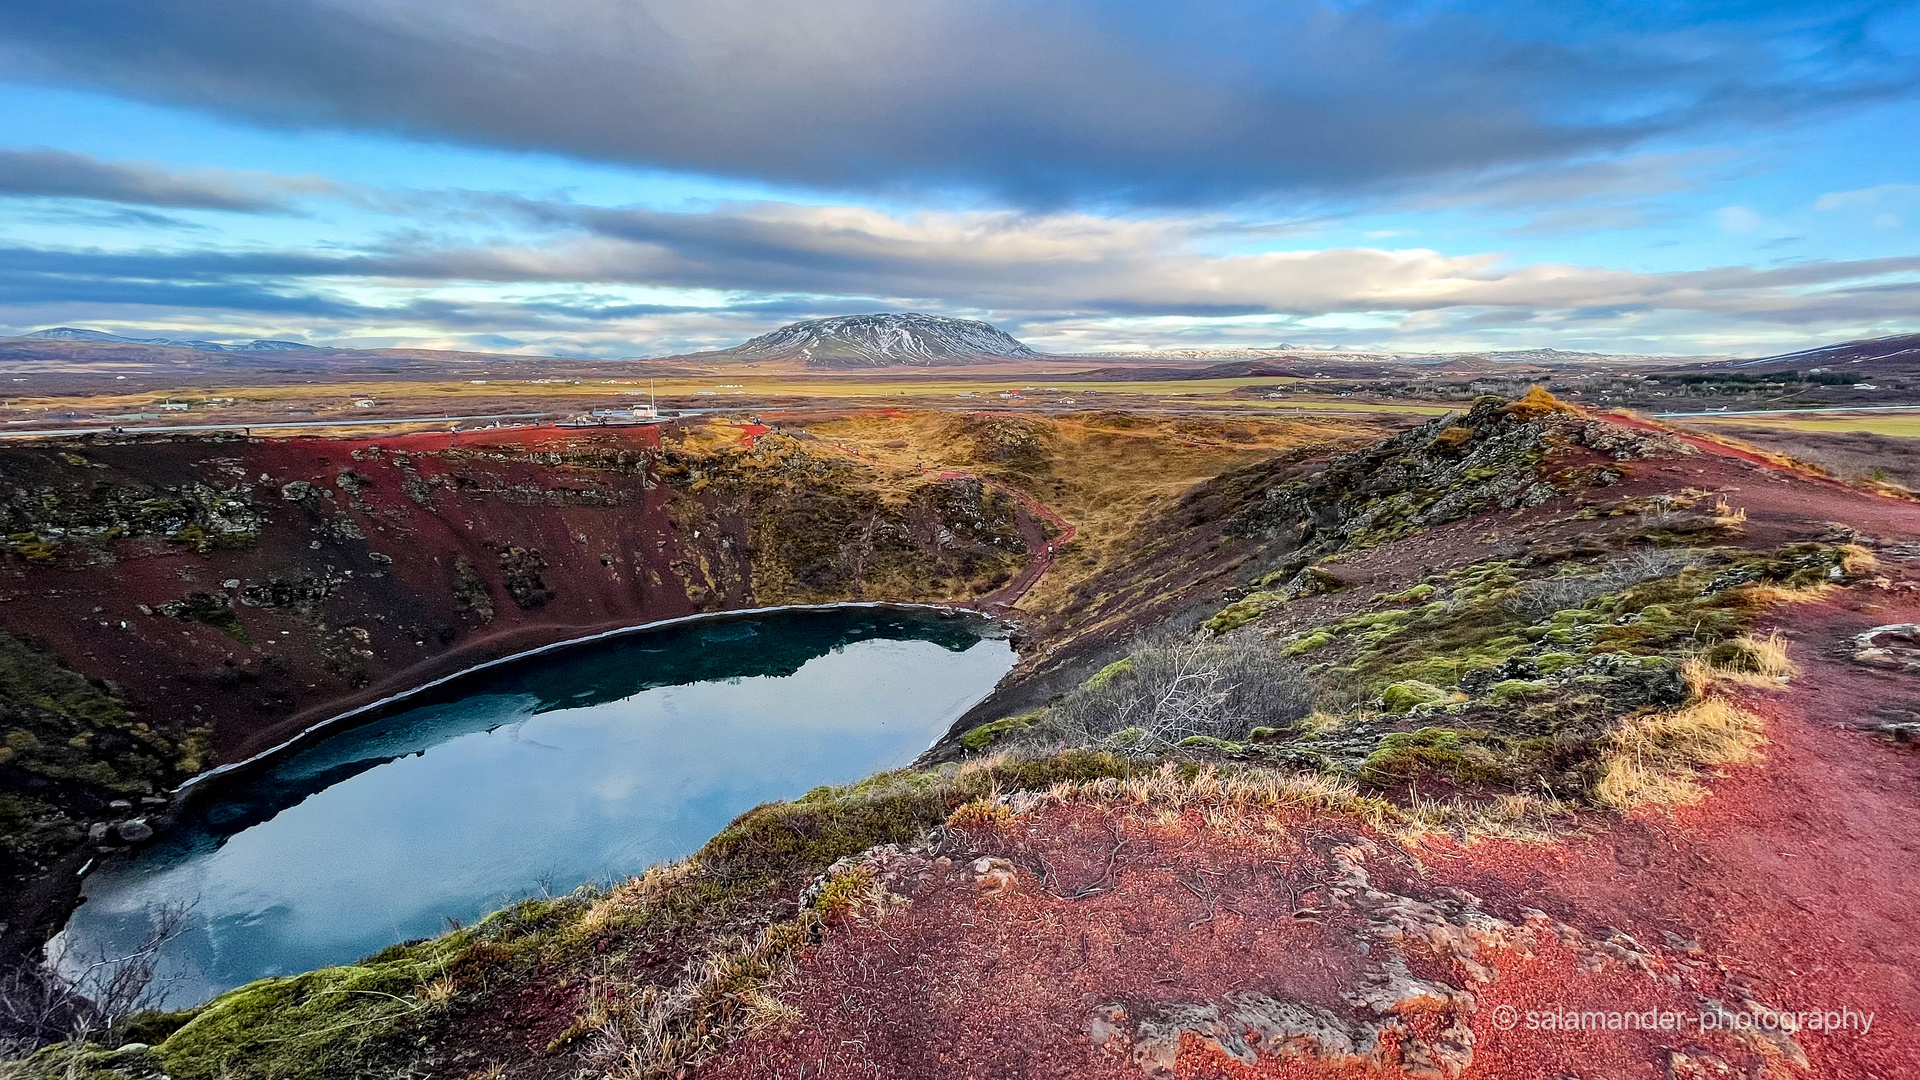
pixel 167 606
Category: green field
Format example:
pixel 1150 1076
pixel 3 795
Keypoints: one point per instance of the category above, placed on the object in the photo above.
pixel 1902 425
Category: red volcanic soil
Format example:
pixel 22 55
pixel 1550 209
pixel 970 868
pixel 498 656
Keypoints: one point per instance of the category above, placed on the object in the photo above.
pixel 397 559
pixel 603 536
pixel 1792 889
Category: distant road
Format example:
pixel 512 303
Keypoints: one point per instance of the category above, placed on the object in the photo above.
pixel 1784 412
pixel 14 433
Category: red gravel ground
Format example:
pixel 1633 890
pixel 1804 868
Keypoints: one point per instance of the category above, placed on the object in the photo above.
pixel 1794 886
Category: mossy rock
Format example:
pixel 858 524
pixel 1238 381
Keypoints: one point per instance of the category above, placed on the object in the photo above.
pixel 979 738
pixel 1460 755
pixel 86 1061
pixel 1514 691
pixel 1241 612
pixel 1109 673
pixel 1319 639
pixel 306 1026
pixel 1402 697
pixel 1208 742
pixel 1735 655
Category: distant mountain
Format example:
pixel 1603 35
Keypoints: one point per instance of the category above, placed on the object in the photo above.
pixel 1900 351
pixel 74 333
pixel 854 341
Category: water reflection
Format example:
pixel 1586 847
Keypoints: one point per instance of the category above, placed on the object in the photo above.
pixel 586 764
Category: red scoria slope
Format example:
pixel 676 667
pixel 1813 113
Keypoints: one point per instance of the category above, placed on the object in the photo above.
pixel 1093 937
pixel 382 562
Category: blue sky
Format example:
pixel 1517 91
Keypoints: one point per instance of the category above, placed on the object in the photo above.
pixel 631 177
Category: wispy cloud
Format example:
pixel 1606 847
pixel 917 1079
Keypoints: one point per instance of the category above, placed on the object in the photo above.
pixel 59 174
pixel 1868 198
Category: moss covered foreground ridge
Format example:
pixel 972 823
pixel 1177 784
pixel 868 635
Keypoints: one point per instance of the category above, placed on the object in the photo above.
pixel 385 1015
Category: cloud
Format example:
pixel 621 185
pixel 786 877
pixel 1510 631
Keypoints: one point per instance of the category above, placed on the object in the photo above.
pixel 1582 219
pixel 1613 180
pixel 1070 102
pixel 1867 198
pixel 1738 219
pixel 58 174
pixel 774 260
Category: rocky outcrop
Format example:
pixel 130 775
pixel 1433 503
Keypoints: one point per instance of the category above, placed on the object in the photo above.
pixel 1394 1018
pixel 1498 454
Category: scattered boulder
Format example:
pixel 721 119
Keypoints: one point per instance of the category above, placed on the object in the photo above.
pixel 134 830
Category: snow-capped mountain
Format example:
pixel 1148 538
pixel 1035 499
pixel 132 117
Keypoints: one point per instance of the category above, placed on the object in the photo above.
pixel 881 340
pixel 74 333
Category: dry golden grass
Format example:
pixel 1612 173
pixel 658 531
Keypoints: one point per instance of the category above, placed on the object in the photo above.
pixel 1749 660
pixel 644 1034
pixel 1533 818
pixel 1656 759
pixel 1208 789
pixel 1242 802
pixel 1857 561
pixel 1106 472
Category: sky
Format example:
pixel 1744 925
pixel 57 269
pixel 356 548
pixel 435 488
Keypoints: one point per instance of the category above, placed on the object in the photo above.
pixel 639 178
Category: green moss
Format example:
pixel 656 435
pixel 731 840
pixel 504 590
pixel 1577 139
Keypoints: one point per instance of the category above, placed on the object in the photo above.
pixel 34 829
pixel 1319 639
pixel 1464 756
pixel 65 727
pixel 1208 742
pixel 1513 691
pixel 843 892
pixel 979 738
pixel 1411 595
pixel 1402 697
pixel 35 550
pixel 1109 673
pixel 1735 655
pixel 86 1061
pixel 1241 612
pixel 324 1023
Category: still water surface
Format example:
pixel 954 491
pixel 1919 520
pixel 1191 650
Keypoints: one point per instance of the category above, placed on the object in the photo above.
pixel 584 764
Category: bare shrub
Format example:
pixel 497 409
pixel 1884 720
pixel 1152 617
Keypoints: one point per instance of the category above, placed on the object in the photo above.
pixel 1661 512
pixel 1537 599
pixel 1172 688
pixel 73 995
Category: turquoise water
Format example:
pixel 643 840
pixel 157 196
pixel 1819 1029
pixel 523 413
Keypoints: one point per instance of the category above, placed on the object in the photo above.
pixel 586 764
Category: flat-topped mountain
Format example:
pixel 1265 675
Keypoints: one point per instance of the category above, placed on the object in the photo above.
pixel 883 340
pixel 74 333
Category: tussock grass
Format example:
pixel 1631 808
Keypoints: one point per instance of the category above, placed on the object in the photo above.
pixel 1523 817
pixel 648 1032
pixel 1655 759
pixel 1749 660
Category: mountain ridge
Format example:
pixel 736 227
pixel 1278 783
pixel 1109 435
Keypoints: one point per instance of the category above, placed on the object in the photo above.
pixel 77 333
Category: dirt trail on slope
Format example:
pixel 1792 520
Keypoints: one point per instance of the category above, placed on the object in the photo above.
pixel 1044 548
